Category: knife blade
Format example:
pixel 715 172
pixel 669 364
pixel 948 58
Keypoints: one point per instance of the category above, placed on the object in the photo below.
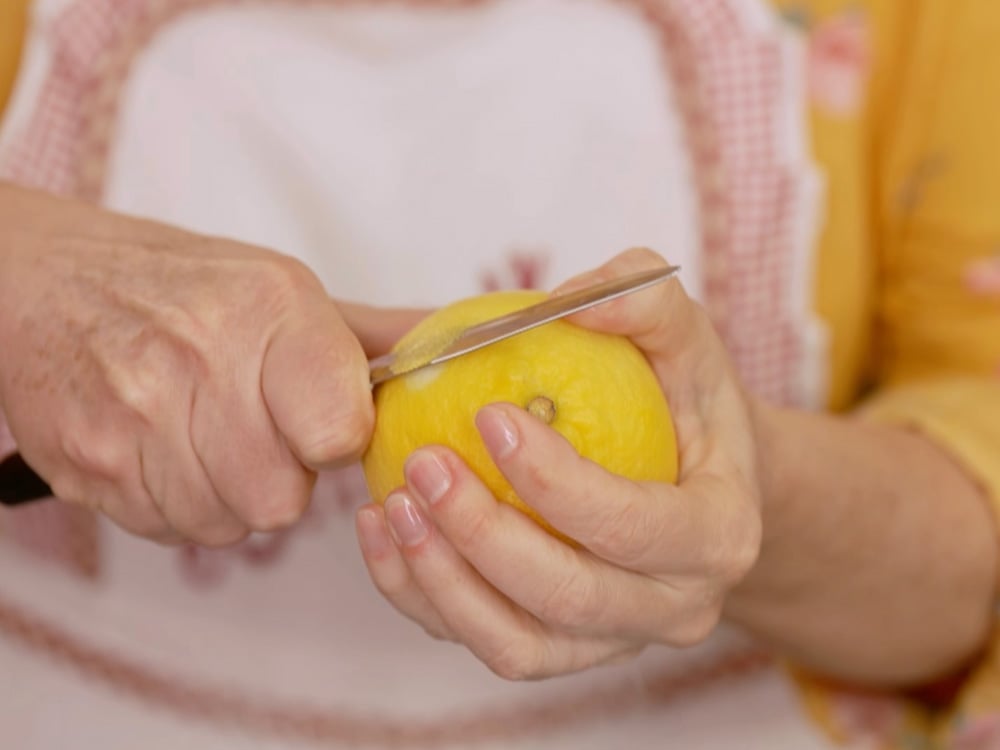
pixel 425 353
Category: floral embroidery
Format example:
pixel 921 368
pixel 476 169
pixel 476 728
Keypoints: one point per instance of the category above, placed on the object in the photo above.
pixel 983 277
pixel 979 733
pixel 871 722
pixel 523 268
pixel 839 57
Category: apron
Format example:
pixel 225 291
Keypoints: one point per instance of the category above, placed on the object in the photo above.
pixel 410 153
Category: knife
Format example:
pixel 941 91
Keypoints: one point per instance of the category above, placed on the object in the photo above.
pixel 19 483
pixel 451 344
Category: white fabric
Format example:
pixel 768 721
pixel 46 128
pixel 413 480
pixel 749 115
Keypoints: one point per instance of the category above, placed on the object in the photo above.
pixel 434 141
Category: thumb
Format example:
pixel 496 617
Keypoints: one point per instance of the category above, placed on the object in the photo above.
pixel 314 380
pixel 660 320
pixel 379 328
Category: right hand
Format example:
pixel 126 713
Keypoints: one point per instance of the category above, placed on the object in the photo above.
pixel 188 387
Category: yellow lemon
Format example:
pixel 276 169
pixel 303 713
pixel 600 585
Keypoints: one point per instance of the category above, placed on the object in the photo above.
pixel 596 389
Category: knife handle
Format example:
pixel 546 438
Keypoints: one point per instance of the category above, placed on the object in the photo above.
pixel 19 483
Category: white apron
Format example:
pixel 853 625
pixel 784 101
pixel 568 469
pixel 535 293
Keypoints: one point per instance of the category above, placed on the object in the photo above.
pixel 410 152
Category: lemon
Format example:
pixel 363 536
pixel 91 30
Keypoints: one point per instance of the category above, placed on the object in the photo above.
pixel 596 389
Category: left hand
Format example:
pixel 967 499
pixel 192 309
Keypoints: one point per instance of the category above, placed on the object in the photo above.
pixel 655 561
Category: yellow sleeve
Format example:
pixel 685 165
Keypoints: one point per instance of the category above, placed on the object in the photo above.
pixel 13 23
pixel 937 345
pixel 935 363
pixel 961 413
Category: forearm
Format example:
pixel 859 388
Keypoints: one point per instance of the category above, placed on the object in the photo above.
pixel 879 556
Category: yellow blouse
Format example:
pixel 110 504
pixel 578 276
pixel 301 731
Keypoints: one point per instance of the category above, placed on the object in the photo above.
pixel 13 22
pixel 905 120
pixel 913 212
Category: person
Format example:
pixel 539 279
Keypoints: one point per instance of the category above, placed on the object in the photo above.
pixel 195 389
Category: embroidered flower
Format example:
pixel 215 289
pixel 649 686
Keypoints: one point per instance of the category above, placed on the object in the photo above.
pixel 870 722
pixel 977 733
pixel 523 268
pixel 839 58
pixel 982 277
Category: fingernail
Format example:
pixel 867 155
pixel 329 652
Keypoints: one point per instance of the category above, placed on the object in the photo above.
pixel 405 521
pixel 372 534
pixel 577 282
pixel 498 432
pixel 427 475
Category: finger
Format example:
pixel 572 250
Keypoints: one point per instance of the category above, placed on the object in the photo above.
pixel 139 515
pixel 249 464
pixel 705 526
pixel 661 320
pixel 173 475
pixel 690 360
pixel 166 473
pixel 391 575
pixel 125 502
pixel 315 383
pixel 507 639
pixel 100 472
pixel 133 511
pixel 169 538
pixel 379 328
pixel 564 588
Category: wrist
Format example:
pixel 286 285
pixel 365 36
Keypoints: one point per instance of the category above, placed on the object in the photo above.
pixel 766 423
pixel 769 429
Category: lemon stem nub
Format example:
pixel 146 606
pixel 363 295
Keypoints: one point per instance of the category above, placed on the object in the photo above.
pixel 543 408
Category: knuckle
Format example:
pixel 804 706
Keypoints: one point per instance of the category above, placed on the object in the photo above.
pixel 293 272
pixel 438 632
pixel 343 437
pixel 628 654
pixel 94 455
pixel 468 529
pixel 141 375
pixel 169 537
pixel 620 535
pixel 746 557
pixel 221 535
pixel 738 554
pixel 147 528
pixel 395 584
pixel 198 513
pixel 642 257
pixel 517 660
pixel 269 514
pixel 572 605
pixel 697 626
pixel 140 393
pixel 283 279
pixel 538 477
pixel 392 587
pixel 183 338
pixel 615 315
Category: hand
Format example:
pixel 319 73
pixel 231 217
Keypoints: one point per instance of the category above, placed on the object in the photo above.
pixel 188 387
pixel 655 562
